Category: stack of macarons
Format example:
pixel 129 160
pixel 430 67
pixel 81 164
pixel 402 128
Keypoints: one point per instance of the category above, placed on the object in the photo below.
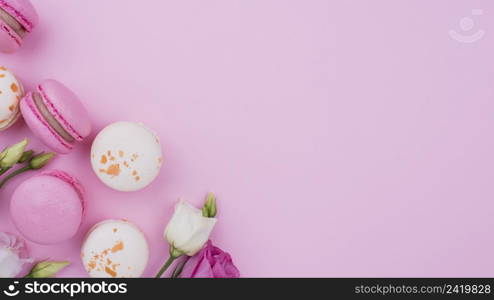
pixel 49 207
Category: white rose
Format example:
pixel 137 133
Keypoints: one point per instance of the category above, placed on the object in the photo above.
pixel 12 255
pixel 188 230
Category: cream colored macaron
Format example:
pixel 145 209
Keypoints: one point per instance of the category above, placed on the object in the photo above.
pixel 126 156
pixel 11 92
pixel 115 248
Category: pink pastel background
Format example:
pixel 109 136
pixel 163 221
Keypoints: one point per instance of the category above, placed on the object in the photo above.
pixel 343 138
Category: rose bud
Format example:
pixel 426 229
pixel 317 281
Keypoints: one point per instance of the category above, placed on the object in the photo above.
pixel 12 154
pixel 47 269
pixel 41 160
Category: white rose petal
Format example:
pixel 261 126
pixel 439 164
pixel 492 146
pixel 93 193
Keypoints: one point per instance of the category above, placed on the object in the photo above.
pixel 12 255
pixel 188 230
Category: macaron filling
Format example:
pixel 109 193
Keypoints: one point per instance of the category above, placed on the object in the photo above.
pixel 50 119
pixel 12 23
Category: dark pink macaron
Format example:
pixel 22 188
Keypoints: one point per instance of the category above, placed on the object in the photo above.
pixel 17 19
pixel 48 208
pixel 56 116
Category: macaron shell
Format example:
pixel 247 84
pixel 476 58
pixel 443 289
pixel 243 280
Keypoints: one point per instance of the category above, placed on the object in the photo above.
pixel 10 42
pixel 126 156
pixel 23 11
pixel 46 209
pixel 115 248
pixel 66 107
pixel 79 189
pixel 12 121
pixel 41 128
pixel 10 94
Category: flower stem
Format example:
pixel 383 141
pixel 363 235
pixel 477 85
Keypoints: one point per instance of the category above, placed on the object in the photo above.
pixel 13 174
pixel 2 171
pixel 165 266
pixel 178 270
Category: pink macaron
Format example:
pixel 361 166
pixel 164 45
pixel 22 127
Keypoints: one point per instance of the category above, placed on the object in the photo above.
pixel 17 19
pixel 56 116
pixel 48 208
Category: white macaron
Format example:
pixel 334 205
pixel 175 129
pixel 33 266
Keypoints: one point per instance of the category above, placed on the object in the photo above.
pixel 115 248
pixel 11 92
pixel 126 156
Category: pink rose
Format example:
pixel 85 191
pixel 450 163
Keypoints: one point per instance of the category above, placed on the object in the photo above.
pixel 210 262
